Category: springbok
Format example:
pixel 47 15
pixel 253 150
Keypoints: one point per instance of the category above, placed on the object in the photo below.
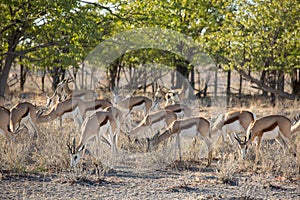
pixel 276 127
pixel 173 95
pixel 181 110
pixel 88 107
pixel 4 124
pixel 191 127
pixel 63 110
pixel 63 92
pixel 155 121
pixel 160 93
pixel 131 103
pixel 102 124
pixel 233 122
pixel 23 114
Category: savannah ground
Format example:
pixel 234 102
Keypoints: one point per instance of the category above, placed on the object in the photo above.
pixel 38 168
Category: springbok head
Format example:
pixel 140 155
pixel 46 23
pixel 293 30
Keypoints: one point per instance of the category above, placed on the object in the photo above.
pixel 74 153
pixel 242 145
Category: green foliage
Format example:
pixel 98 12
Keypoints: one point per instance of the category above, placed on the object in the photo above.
pixel 54 32
pixel 261 35
pixel 256 35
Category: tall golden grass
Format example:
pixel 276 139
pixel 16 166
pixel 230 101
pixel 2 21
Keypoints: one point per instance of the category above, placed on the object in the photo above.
pixel 49 153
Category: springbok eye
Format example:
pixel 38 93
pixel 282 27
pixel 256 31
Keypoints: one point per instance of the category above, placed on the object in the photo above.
pixel 75 157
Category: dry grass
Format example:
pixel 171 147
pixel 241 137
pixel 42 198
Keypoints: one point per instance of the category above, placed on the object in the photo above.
pixel 48 153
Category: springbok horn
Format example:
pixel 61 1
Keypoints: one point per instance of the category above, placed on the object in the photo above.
pixel 238 139
pixel 74 145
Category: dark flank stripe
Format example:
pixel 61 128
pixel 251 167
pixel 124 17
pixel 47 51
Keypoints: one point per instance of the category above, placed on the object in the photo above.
pixel 178 110
pixel 26 113
pixel 231 120
pixel 104 121
pixel 69 110
pixel 270 128
pixel 158 119
pixel 138 103
pixel 188 125
pixel 98 106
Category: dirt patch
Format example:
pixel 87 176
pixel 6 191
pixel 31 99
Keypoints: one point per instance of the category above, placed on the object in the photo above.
pixel 182 180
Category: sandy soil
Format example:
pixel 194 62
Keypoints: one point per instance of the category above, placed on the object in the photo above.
pixel 179 181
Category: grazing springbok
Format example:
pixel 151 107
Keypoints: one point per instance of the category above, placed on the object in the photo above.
pixel 63 92
pixel 233 122
pixel 171 95
pixel 63 110
pixel 88 107
pixel 191 127
pixel 132 103
pixel 4 124
pixel 160 93
pixel 102 124
pixel 23 114
pixel 276 127
pixel 154 121
pixel 181 110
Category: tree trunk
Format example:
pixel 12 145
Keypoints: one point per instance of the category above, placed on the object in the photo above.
pixel 265 87
pixel 23 74
pixel 192 77
pixel 82 75
pixel 5 71
pixel 272 82
pixel 57 74
pixel 295 79
pixel 263 81
pixel 240 87
pixel 216 83
pixel 280 80
pixel 43 81
pixel 10 57
pixel 182 71
pixel 228 87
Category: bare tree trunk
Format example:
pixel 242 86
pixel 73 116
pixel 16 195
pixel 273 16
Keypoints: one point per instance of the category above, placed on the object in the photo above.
pixel 57 74
pixel 82 75
pixel 173 78
pixel 240 87
pixel 295 79
pixel 23 74
pixel 9 60
pixel 193 77
pixel 280 80
pixel 43 80
pixel 265 87
pixel 263 81
pixel 228 87
pixel 216 83
pixel 181 68
pixel 273 84
pixel 4 74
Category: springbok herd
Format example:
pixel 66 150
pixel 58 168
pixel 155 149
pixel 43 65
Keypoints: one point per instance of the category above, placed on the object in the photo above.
pixel 106 120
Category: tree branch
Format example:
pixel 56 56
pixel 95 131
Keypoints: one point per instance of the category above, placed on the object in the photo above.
pixel 21 53
pixel 103 7
pixel 265 87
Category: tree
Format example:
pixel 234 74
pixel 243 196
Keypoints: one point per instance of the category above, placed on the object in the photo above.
pixel 51 34
pixel 259 36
